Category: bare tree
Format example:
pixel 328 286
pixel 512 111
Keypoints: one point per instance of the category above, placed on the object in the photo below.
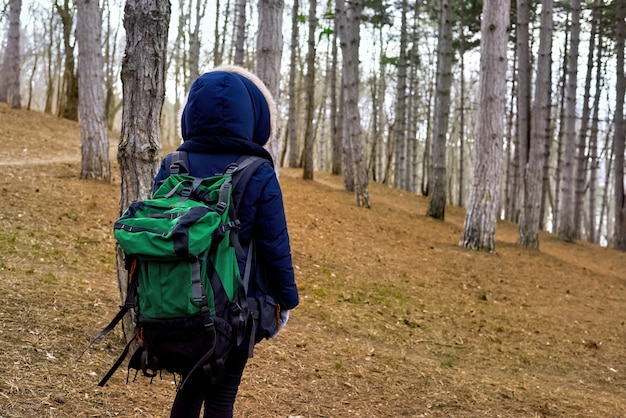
pixel 194 40
pixel 437 176
pixel 10 80
pixel 594 159
pixel 240 34
pixel 400 139
pixel 335 116
pixel 349 33
pixel 292 137
pixel 540 125
pixel 143 78
pixel 309 136
pixel 523 100
pixel 269 51
pixel 581 146
pixel 482 213
pixel 68 100
pixel 567 231
pixel 91 105
pixel 619 138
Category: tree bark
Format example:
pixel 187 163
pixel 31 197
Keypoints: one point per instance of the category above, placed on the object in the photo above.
pixel 240 34
pixel 567 231
pixel 68 100
pixel 619 138
pixel 195 41
pixel 309 135
pixel 438 176
pixel 91 104
pixel 10 80
pixel 349 32
pixel 593 236
pixel 540 125
pixel 269 47
pixel 523 97
pixel 143 79
pixel 335 122
pixel 292 137
pixel 482 212
pixel 581 146
pixel 400 139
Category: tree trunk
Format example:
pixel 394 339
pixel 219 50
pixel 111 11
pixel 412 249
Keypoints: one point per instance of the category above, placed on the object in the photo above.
pixel 193 61
pixel 482 213
pixel 556 215
pixel 92 113
pixel 309 137
pixel 437 176
pixel 581 155
pixel 540 126
pixel 240 34
pixel 350 38
pixel 335 116
pixel 269 45
pixel 593 236
pixel 68 101
pixel 143 79
pixel 400 139
pixel 523 97
pixel 512 154
pixel 10 80
pixel 566 229
pixel 292 136
pixel 619 139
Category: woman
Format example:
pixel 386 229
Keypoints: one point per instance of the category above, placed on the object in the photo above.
pixel 230 113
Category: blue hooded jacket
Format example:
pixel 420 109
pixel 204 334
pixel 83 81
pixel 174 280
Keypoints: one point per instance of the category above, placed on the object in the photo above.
pixel 229 113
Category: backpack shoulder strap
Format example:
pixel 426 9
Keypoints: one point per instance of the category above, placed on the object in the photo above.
pixel 245 168
pixel 177 162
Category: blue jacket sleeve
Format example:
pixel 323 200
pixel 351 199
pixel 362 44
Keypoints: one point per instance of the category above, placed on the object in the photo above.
pixel 272 241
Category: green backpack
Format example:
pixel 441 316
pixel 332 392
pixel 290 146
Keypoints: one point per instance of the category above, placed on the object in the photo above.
pixel 184 283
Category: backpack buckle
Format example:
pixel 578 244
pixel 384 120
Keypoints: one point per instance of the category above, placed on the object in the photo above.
pixel 220 207
pixel 186 192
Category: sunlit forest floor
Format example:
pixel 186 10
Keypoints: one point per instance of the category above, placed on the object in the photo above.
pixel 396 320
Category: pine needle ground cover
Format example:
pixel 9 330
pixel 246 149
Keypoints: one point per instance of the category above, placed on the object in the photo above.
pixel 396 320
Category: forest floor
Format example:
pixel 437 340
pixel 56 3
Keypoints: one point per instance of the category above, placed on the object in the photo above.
pixel 396 320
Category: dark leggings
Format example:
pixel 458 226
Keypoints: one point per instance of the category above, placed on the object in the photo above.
pixel 218 399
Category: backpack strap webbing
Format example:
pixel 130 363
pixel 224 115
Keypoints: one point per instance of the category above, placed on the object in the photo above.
pixel 177 162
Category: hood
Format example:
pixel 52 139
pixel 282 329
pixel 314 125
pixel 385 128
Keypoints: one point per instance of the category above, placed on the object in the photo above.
pixel 228 103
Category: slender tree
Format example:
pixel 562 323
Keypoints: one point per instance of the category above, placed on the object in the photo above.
pixel 594 159
pixel 619 138
pixel 400 139
pixel 195 41
pixel 581 145
pixel 567 231
pixel 309 135
pixel 269 48
pixel 482 212
pixel 91 105
pixel 143 79
pixel 559 141
pixel 292 137
pixel 335 116
pixel 68 101
pixel 437 176
pixel 349 32
pixel 540 125
pixel 523 98
pixel 10 80
pixel 240 34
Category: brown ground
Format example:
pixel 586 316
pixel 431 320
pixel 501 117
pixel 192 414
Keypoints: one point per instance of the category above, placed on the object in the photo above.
pixel 396 319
